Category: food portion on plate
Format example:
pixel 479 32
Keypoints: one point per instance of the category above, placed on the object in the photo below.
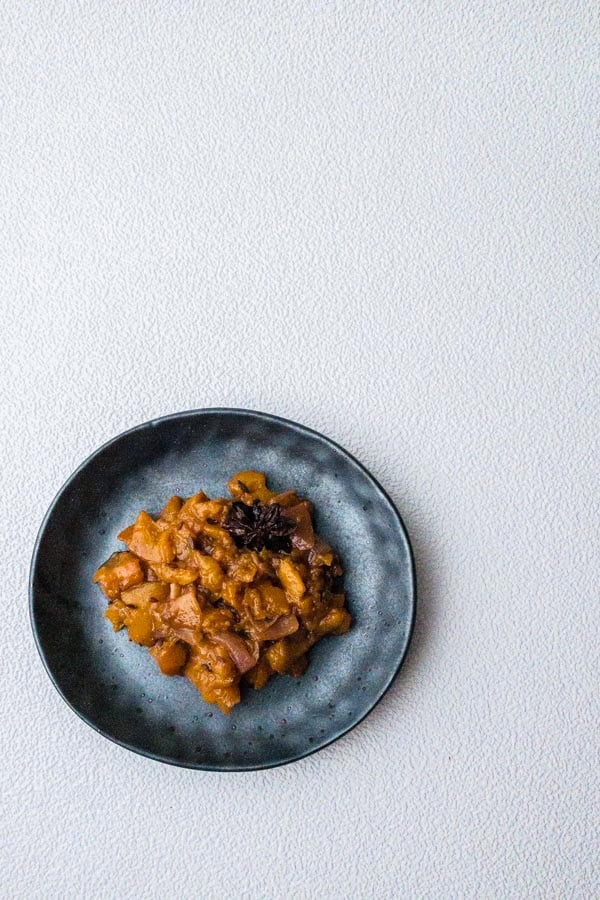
pixel 227 591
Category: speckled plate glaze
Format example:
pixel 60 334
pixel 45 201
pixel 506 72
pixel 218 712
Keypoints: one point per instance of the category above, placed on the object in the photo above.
pixel 115 686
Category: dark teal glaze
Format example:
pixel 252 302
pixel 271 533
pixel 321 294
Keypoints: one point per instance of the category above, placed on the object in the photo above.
pixel 115 686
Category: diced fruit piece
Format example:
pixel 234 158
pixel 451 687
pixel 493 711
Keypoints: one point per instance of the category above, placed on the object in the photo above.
pixel 231 593
pixel 336 621
pixel 260 674
pixel 223 546
pixel 290 579
pixel 287 498
pixel 210 572
pixel 116 615
pixel 253 603
pixel 171 656
pixel 184 611
pixel 149 542
pixel 213 674
pixel 215 621
pixel 274 599
pixel 175 574
pixel 226 697
pixel 197 509
pixel 143 594
pixel 249 486
pixel 126 534
pixel 171 509
pixel 119 572
pixel 244 568
pixel 282 654
pixel 140 626
pixel 183 541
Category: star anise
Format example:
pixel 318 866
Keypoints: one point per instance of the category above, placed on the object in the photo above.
pixel 259 526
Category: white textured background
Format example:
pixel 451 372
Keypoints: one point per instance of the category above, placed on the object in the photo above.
pixel 379 219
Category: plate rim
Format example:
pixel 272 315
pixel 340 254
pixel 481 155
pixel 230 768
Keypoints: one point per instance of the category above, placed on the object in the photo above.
pixel 271 417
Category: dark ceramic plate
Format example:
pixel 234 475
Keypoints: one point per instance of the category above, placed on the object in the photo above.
pixel 114 685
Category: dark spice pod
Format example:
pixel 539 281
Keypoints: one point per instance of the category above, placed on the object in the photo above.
pixel 258 526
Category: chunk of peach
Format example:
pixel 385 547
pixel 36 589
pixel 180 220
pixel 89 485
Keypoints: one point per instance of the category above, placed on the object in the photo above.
pixel 336 621
pixel 140 626
pixel 150 542
pixel 171 656
pixel 290 578
pixel 231 593
pixel 116 615
pixel 260 674
pixel 197 509
pixel 223 545
pixel 184 611
pixel 126 534
pixel 213 674
pixel 274 600
pixel 209 570
pixel 283 654
pixel 215 621
pixel 249 486
pixel 175 574
pixel 244 567
pixel 226 697
pixel 171 509
pixel 143 594
pixel 119 572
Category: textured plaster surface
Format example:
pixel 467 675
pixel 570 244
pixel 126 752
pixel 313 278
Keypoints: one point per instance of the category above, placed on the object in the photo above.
pixel 379 219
